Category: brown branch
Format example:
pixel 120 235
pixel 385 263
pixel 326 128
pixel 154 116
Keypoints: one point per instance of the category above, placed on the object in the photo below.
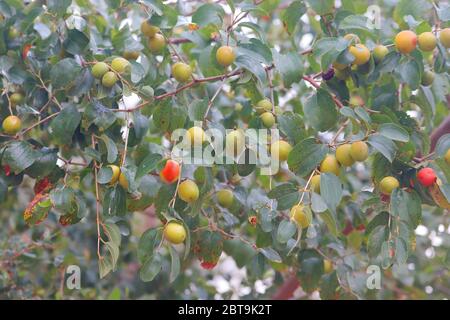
pixel 184 87
pixel 313 82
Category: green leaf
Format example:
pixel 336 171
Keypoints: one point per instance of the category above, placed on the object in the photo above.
pixel 290 124
pixel 148 164
pixel 114 202
pixel 113 233
pixel 104 175
pixel 19 155
pixel 197 109
pixel 376 238
pixel 383 145
pixel 310 269
pixel 63 126
pixel 393 132
pixel 322 7
pixel 96 113
pixel 105 266
pixel 265 219
pixel 290 67
pixel 286 231
pixel 354 22
pixel 44 165
pixel 410 73
pixel 381 219
pixel 330 190
pixel 76 42
pixel 151 268
pixel 110 147
pixel 64 73
pixel 320 111
pixel 306 156
pixel 286 194
pixel 442 145
pixel 407 206
pixel 270 254
pixel 208 13
pixel 149 240
pixel 175 264
pixel 292 14
pixel 330 221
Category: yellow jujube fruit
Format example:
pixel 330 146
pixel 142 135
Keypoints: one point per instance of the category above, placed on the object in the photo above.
pixel 181 71
pixel 195 135
pixel 299 215
pixel 174 232
pixel 120 64
pixel 123 180
pixel 225 56
pixel 315 183
pixel 388 184
pixel 447 157
pixel 225 198
pixel 343 155
pixel 188 191
pixel 116 173
pixel 359 151
pixel 444 37
pixel 281 148
pixel 149 30
pixel 330 164
pixel 156 43
pixel 427 41
pixel 361 54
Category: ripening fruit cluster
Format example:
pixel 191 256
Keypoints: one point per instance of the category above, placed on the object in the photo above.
pixel 406 41
pixel 108 74
pixel 346 155
pixel 156 41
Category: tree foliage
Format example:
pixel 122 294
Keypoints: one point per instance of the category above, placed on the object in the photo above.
pixel 84 175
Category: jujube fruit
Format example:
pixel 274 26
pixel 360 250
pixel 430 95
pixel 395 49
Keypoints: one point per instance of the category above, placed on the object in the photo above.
pixel 99 69
pixel 343 155
pixel 123 180
pixel 109 79
pixel 353 38
pixel 426 177
pixel 427 41
pixel 188 191
pixel 444 37
pixel 195 135
pixel 327 266
pixel 281 148
pixel 171 171
pixel 149 30
pixel 359 151
pixel 315 183
pixel 120 64
pixel 388 184
pixel 299 216
pixel 427 78
pixel 379 52
pixel 16 98
pixel 234 143
pixel 405 41
pixel 330 164
pixel 447 157
pixel 361 54
pixel 225 56
pixel 263 105
pixel 181 71
pixel 268 119
pixel 115 173
pixel 11 125
pixel 131 55
pixel 156 43
pixel 174 232
pixel 225 198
